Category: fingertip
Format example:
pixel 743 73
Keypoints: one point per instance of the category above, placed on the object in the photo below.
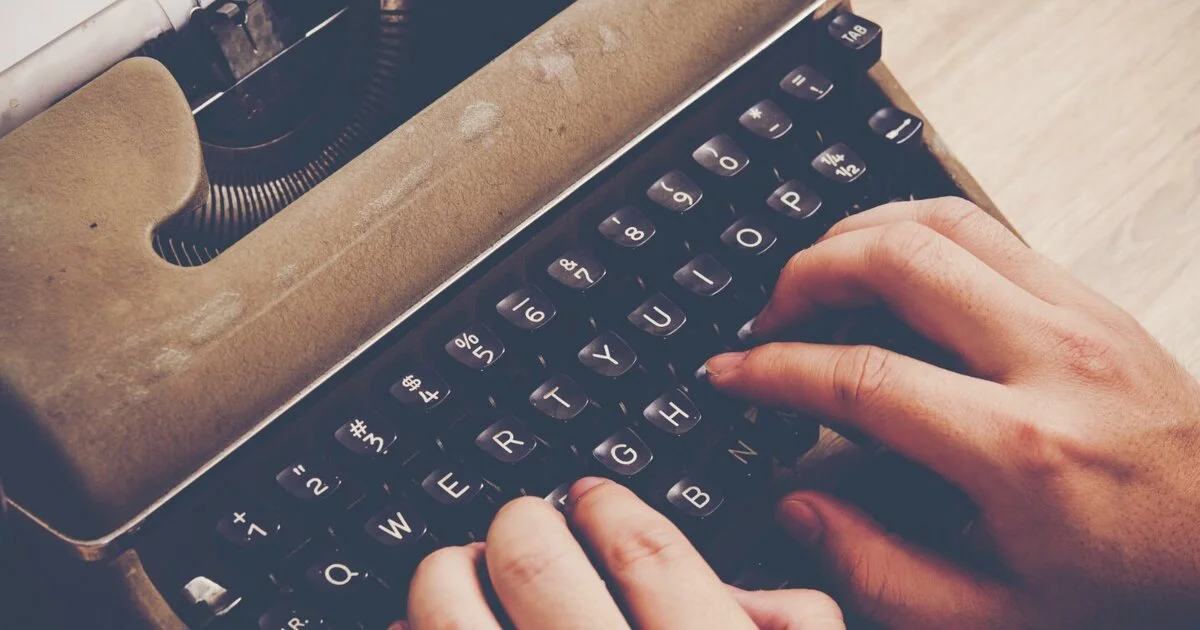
pixel 582 487
pixel 799 516
pixel 720 366
pixel 745 334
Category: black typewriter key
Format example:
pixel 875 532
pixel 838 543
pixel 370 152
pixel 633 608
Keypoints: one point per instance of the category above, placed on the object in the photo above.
pixel 628 228
pixel 420 388
pixel 577 271
pixel 750 237
pixel 507 441
pixel 854 32
pixel 560 398
pixel 366 437
pixel 337 574
pixel 742 456
pixel 623 454
pixel 766 120
pixel 858 39
pixel 527 308
pixel 558 496
pixel 459 504
pixel 476 348
pixel 839 164
pixel 721 156
pixel 703 276
pixel 252 530
pixel 290 616
pixel 790 434
pixel 794 200
pixel 658 316
pixel 807 85
pixel 396 529
pixel 310 480
pixel 608 355
pixel 675 192
pixel 673 413
pixel 896 127
pixel 695 498
pixel 452 486
pixel 219 600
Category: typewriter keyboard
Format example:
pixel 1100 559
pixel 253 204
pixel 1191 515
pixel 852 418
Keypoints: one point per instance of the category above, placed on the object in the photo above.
pixel 570 351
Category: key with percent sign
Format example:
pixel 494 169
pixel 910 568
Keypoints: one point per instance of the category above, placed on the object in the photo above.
pixel 476 348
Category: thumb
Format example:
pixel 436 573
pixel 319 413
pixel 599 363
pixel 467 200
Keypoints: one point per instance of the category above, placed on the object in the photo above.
pixel 795 609
pixel 886 580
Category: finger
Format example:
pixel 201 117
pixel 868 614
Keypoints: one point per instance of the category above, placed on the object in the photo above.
pixel 795 609
pixel 662 579
pixel 446 592
pixel 988 240
pixel 939 418
pixel 888 581
pixel 542 575
pixel 942 291
pixel 400 625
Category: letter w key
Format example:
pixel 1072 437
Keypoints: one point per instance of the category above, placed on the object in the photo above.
pixel 396 527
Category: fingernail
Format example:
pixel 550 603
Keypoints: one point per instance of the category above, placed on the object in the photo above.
pixel 745 334
pixel 801 520
pixel 720 364
pixel 580 487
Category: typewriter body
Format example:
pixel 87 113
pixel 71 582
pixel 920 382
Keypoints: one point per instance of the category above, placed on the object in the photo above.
pixel 258 358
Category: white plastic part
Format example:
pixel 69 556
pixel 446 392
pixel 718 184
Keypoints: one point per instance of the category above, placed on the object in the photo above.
pixel 47 49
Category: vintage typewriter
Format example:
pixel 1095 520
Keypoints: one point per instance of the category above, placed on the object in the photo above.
pixel 297 292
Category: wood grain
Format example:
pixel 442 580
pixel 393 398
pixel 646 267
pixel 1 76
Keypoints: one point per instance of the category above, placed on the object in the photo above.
pixel 1081 118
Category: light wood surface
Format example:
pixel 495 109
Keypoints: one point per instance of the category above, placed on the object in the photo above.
pixel 1081 118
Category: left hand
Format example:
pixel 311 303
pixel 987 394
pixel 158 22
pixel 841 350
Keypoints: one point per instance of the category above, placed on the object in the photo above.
pixel 543 579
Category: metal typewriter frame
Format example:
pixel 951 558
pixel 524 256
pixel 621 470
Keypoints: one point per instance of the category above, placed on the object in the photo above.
pixel 124 537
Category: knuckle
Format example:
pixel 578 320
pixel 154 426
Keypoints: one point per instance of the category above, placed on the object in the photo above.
pixel 1086 352
pixel 511 560
pixel 766 359
pixel 648 547
pixel 533 564
pixel 908 248
pixel 794 266
pixel 1038 451
pixel 860 373
pixel 950 215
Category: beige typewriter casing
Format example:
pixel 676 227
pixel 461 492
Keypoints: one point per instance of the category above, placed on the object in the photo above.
pixel 123 377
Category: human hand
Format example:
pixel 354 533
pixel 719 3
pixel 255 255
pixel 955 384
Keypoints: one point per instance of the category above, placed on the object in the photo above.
pixel 543 579
pixel 1073 431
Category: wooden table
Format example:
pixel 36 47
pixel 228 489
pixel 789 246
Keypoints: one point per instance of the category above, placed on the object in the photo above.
pixel 1081 118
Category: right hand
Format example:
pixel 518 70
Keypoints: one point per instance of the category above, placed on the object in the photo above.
pixel 1073 431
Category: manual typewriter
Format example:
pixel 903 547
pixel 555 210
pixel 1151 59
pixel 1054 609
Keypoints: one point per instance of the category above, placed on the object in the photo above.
pixel 297 292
